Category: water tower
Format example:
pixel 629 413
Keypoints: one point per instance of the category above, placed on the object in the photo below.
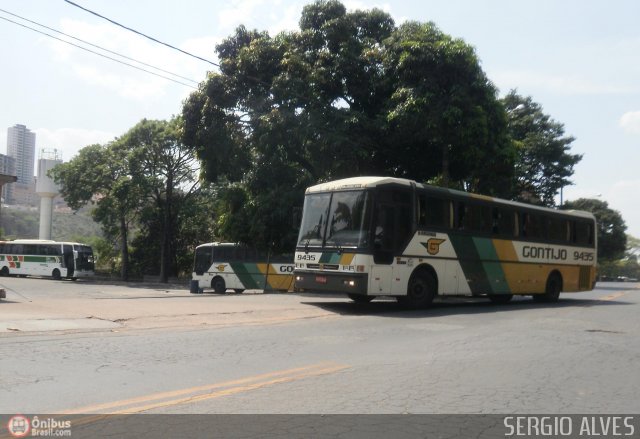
pixel 46 189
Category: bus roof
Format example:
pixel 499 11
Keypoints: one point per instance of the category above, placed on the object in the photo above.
pixel 43 241
pixel 217 244
pixel 353 183
pixel 357 183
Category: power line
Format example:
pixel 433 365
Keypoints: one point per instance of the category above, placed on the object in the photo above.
pixel 99 54
pixel 140 33
pixel 98 47
pixel 252 78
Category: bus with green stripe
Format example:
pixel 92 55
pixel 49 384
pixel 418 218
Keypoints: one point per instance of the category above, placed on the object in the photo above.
pixel 220 266
pixel 379 236
pixel 46 258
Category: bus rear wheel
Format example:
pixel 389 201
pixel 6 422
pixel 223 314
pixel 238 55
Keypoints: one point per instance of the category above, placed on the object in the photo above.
pixel 551 291
pixel 420 292
pixel 56 274
pixel 4 272
pixel 218 285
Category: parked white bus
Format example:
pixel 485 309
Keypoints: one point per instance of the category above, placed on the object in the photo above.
pixel 222 266
pixel 34 257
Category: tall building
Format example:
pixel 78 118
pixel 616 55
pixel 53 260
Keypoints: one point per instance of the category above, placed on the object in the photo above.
pixel 21 145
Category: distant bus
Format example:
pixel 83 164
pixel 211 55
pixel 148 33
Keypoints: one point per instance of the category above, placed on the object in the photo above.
pixel 375 236
pixel 34 257
pixel 224 266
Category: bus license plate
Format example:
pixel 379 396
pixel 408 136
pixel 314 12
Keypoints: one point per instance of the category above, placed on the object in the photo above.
pixel 321 279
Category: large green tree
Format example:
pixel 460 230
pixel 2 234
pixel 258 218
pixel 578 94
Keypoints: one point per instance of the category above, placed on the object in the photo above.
pixel 350 93
pixel 612 239
pixel 165 171
pixel 146 180
pixel 100 175
pixel 544 163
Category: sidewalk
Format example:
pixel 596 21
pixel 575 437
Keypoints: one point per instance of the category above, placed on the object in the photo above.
pixel 121 306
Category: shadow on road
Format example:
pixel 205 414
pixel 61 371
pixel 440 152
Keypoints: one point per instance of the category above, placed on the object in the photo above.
pixel 388 307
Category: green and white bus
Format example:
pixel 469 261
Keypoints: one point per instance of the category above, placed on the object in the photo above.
pixel 35 257
pixel 378 236
pixel 222 266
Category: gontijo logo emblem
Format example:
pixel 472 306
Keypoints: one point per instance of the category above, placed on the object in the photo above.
pixel 19 426
pixel 433 245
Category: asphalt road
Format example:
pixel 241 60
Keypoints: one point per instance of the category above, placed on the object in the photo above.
pixel 98 348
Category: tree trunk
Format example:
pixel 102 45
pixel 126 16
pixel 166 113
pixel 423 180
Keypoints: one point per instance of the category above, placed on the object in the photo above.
pixel 445 166
pixel 124 249
pixel 165 245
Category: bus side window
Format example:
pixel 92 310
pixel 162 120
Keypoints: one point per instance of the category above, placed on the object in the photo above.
pixel 556 229
pixel 533 226
pixel 584 232
pixel 461 216
pixel 433 212
pixel 504 222
pixel 394 222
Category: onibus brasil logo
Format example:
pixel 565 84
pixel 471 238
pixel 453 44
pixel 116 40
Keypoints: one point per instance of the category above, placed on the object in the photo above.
pixel 19 426
pixel 22 426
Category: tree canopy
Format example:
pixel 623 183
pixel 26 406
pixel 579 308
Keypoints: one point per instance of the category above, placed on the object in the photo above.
pixel 543 164
pixel 612 239
pixel 146 180
pixel 348 94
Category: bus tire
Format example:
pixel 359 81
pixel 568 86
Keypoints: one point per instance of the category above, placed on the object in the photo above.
pixel 500 298
pixel 552 289
pixel 420 292
pixel 359 298
pixel 4 272
pixel 56 274
pixel 218 285
pixel 238 291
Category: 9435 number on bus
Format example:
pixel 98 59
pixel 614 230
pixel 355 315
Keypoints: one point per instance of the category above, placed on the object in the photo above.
pixel 583 256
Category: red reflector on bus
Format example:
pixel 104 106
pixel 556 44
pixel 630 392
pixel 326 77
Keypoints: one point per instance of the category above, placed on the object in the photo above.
pixel 321 279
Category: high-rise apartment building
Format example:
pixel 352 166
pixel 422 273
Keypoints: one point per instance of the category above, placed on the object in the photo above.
pixel 21 145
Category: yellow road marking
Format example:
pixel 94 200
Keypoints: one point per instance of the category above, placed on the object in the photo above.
pixel 217 390
pixel 614 296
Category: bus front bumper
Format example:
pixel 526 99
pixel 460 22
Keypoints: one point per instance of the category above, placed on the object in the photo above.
pixel 328 282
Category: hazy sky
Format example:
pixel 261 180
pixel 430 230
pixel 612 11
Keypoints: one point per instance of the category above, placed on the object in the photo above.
pixel 579 59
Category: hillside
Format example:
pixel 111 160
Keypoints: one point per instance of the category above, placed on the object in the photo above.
pixel 18 223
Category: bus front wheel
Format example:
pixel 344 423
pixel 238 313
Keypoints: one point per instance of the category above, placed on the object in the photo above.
pixel 420 292
pixel 4 272
pixel 56 274
pixel 218 285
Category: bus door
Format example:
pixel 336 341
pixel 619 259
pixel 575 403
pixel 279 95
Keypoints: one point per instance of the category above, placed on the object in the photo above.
pixel 392 230
pixel 69 262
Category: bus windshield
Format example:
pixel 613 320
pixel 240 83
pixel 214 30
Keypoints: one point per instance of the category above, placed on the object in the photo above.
pixel 340 219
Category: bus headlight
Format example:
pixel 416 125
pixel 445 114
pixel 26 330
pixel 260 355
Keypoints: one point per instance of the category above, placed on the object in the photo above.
pixel 349 283
pixel 299 278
